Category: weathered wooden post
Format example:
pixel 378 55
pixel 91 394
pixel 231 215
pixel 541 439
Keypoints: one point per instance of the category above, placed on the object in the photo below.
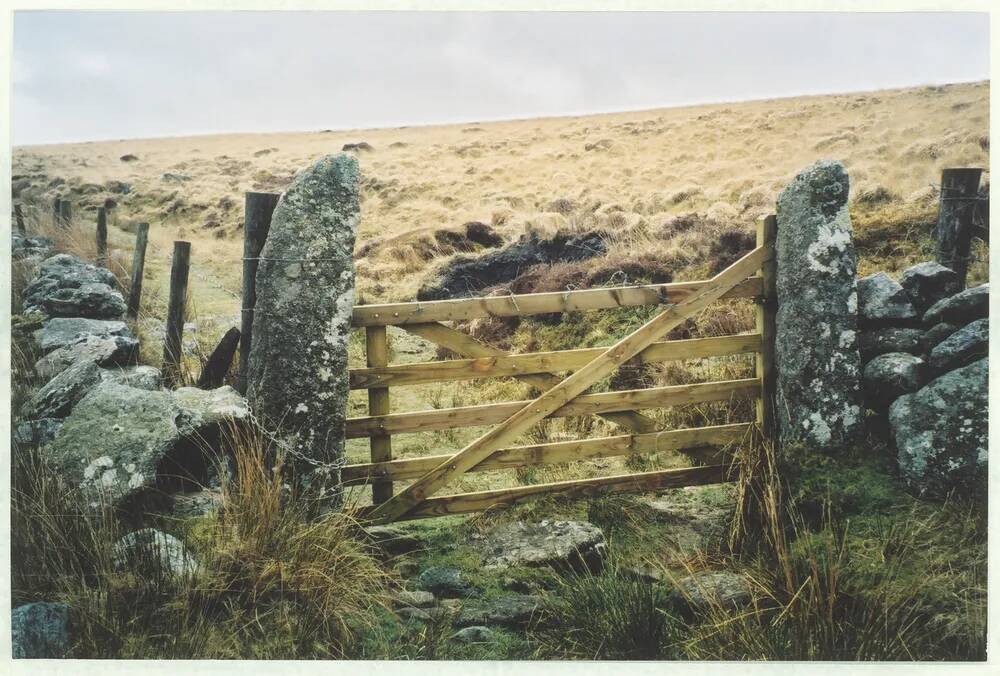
pixel 257 211
pixel 377 351
pixel 767 232
pixel 19 218
pixel 102 236
pixel 956 211
pixel 217 366
pixel 65 213
pixel 138 264
pixel 172 341
pixel 55 211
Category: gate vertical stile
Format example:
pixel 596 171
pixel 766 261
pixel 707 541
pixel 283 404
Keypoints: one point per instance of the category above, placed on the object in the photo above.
pixel 767 306
pixel 377 354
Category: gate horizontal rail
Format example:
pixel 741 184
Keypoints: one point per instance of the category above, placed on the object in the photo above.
pixel 588 404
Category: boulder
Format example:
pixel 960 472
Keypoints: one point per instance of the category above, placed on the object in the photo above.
pixel 936 334
pixel 469 275
pixel 297 371
pixel 58 397
pixel 474 634
pixel 103 351
pixel 40 631
pixel 152 552
pixel 960 309
pixel 124 446
pixel 874 342
pixel 37 432
pixel 890 376
pixel 563 545
pixel 941 432
pixel 702 592
pixel 446 581
pixel 66 331
pixel 964 346
pixel 928 282
pixel 819 382
pixel 67 287
pixel 882 301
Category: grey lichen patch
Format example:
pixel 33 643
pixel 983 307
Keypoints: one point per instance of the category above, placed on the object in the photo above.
pixel 819 397
pixel 297 373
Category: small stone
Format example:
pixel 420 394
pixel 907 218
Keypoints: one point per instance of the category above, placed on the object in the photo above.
pixel 928 282
pixel 882 300
pixel 890 376
pixel 153 552
pixel 963 347
pixel 507 611
pixel 40 631
pixel 702 592
pixel 961 308
pixel 414 599
pixel 475 634
pixel 882 341
pixel 446 581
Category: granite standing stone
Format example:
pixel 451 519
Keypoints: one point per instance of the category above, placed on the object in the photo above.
pixel 297 376
pixel 819 374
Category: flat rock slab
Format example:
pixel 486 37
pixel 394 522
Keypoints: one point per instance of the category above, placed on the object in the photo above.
pixel 563 545
pixel 699 518
pixel 961 308
pixel 941 433
pixel 505 611
pixel 61 332
pixel 705 591
pixel 414 599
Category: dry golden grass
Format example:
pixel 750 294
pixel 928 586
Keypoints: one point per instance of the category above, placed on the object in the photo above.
pixel 727 161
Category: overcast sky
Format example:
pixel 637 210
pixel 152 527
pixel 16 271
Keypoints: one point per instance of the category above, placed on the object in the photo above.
pixel 106 75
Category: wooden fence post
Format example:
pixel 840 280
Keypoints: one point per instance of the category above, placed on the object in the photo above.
pixel 172 342
pixel 956 210
pixel 377 351
pixel 19 218
pixel 65 213
pixel 217 366
pixel 102 236
pixel 55 211
pixel 138 264
pixel 767 308
pixel 257 211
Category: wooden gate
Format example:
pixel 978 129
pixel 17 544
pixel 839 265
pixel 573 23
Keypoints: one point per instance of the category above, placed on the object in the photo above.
pixel 750 277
